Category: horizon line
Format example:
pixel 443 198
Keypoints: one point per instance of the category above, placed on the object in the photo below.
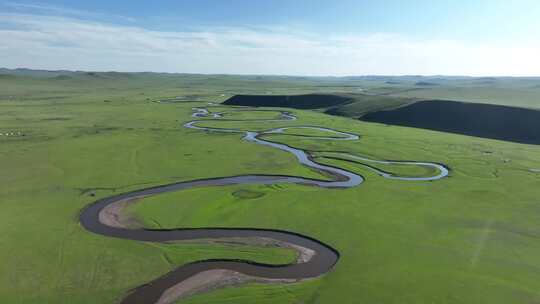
pixel 269 75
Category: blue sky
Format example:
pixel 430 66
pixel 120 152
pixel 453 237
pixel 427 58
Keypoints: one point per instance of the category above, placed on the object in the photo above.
pixel 341 37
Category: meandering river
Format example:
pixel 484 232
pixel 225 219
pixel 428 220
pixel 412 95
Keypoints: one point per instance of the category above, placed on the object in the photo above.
pixel 317 258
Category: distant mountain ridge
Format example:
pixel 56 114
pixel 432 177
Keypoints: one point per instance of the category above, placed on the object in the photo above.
pixel 390 78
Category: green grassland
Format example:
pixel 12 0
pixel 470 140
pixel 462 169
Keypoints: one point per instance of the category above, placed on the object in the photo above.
pixel 311 132
pixel 470 238
pixel 504 96
pixel 396 169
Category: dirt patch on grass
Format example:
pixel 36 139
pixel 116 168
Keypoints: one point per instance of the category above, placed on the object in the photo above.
pixel 201 283
pixel 114 215
pixel 210 280
pixel 482 120
pixel 247 194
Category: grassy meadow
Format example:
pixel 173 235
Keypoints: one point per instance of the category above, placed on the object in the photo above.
pixel 470 238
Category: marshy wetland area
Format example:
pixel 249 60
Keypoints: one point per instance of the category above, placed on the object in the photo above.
pixel 178 188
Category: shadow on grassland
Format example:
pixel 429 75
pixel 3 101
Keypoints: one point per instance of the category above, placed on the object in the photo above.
pixel 482 120
pixel 307 101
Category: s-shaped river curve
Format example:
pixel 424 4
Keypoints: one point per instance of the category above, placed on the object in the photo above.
pixel 315 257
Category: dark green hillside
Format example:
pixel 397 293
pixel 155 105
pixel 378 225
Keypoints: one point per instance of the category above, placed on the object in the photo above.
pixel 307 101
pixel 349 105
pixel 481 120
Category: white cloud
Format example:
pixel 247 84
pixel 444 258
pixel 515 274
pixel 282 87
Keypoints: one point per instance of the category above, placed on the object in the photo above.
pixel 48 42
pixel 60 11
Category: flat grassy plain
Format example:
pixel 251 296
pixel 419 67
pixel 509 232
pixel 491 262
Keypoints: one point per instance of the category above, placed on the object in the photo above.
pixel 473 237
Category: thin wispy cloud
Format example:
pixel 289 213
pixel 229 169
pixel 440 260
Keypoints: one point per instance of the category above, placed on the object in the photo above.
pixel 60 42
pixel 47 9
